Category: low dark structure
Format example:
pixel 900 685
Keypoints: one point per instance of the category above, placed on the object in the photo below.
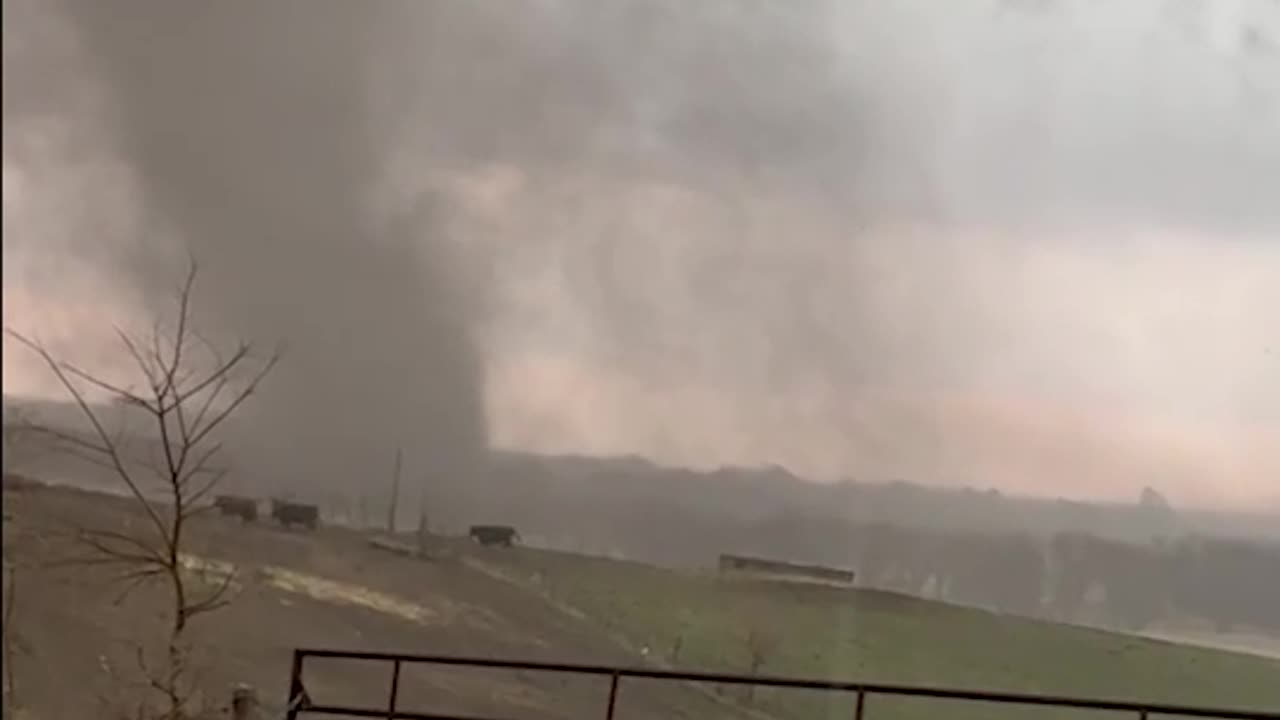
pixel 500 535
pixel 760 567
pixel 289 513
pixel 237 506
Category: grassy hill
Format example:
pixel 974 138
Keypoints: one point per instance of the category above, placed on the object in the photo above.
pixel 705 622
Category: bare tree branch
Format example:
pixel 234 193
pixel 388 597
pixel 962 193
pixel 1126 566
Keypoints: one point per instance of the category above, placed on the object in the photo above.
pixel 135 579
pixel 104 537
pixel 143 363
pixel 203 491
pixel 121 471
pixel 191 390
pixel 249 389
pixel 215 600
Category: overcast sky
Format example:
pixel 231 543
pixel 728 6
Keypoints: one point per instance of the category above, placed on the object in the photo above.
pixel 1032 245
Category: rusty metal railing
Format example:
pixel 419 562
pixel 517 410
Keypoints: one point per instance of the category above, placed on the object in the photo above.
pixel 301 705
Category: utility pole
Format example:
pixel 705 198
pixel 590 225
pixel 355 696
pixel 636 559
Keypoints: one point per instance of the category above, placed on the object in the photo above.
pixel 422 522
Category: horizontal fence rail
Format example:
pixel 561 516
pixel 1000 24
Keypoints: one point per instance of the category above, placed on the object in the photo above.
pixel 301 705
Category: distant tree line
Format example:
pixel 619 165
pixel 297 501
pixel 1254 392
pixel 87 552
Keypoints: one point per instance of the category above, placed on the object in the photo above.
pixel 1072 562
pixel 1231 583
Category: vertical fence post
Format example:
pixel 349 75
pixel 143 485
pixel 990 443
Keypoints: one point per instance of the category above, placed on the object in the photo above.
pixel 295 687
pixel 1142 715
pixel 394 696
pixel 859 704
pixel 613 695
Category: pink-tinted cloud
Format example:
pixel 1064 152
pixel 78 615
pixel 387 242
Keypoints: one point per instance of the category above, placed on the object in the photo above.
pixel 1028 444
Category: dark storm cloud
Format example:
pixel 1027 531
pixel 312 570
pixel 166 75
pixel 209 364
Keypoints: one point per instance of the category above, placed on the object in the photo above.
pixel 706 185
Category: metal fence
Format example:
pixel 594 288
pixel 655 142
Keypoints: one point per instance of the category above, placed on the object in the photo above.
pixel 300 704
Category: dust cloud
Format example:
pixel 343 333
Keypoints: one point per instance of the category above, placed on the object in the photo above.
pixel 1023 244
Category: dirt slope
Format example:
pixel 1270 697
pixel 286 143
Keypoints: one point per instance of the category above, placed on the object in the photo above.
pixel 76 648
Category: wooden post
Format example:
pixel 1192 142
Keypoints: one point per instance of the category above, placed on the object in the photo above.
pixel 244 702
pixel 395 496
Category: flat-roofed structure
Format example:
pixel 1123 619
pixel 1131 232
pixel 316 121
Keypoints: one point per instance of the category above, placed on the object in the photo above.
pixel 745 565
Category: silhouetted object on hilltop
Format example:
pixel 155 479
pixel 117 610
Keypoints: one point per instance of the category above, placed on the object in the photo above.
pixel 291 513
pixel 776 569
pixel 236 506
pixel 500 535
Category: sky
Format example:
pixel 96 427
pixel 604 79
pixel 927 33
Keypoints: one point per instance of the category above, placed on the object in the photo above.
pixel 1028 245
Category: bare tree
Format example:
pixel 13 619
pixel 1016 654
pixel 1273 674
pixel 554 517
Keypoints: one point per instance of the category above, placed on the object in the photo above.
pixel 189 390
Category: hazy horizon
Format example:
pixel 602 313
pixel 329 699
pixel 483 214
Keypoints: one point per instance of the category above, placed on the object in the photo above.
pixel 981 245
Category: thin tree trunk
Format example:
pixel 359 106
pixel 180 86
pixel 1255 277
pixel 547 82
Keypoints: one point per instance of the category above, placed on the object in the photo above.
pixel 10 687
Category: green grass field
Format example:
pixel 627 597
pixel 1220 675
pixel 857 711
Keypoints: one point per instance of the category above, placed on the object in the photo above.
pixel 704 622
